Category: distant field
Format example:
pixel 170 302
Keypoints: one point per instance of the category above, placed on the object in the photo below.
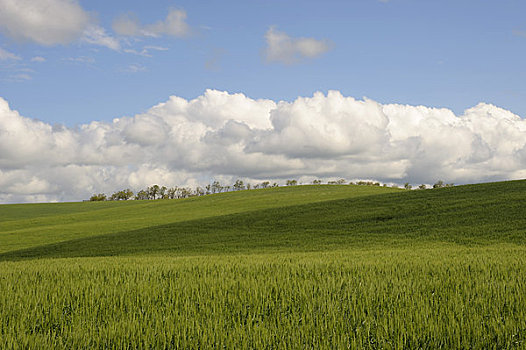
pixel 296 267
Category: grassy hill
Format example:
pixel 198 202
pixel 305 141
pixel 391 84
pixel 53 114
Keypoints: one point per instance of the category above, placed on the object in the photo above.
pixel 301 218
pixel 296 267
pixel 31 225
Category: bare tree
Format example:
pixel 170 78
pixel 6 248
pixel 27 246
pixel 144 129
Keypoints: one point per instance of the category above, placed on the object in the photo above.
pixel 439 184
pixel 238 186
pixel 216 187
pixel 172 193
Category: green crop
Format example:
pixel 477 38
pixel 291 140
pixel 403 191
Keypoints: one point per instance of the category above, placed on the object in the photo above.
pixel 276 268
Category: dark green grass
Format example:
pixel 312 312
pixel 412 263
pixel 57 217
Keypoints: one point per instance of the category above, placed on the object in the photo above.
pixel 31 225
pixel 469 215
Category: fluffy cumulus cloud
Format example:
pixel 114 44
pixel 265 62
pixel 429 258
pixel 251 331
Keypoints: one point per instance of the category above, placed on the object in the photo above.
pixel 225 136
pixel 174 24
pixel 45 22
pixel 52 22
pixel 62 22
pixel 285 49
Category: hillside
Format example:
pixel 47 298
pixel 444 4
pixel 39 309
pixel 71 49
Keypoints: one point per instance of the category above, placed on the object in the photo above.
pixel 302 218
pixel 324 267
pixel 29 225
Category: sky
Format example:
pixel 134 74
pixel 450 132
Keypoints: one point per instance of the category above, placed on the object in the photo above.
pixel 97 96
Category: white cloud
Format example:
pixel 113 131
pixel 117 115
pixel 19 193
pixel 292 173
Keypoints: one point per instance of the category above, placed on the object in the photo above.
pixel 174 24
pixel 16 70
pixel 52 22
pixel 45 22
pixel 80 60
pixel 6 55
pixel 145 52
pixel 38 59
pixel 127 25
pixel 285 49
pixel 224 136
pixel 156 48
pixel 134 68
pixel 97 35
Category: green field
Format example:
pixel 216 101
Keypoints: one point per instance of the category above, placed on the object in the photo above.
pixel 329 266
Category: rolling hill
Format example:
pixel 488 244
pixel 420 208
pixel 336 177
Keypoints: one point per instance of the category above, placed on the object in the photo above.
pixel 298 218
pixel 334 266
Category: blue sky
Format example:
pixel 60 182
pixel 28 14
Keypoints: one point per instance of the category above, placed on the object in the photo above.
pixel 98 96
pixel 450 54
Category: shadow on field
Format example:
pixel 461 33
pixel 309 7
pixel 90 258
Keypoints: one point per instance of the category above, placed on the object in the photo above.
pixel 472 215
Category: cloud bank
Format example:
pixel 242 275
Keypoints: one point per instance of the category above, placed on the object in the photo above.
pixel 225 136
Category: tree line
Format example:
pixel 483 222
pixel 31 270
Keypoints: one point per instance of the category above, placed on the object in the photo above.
pixel 162 192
